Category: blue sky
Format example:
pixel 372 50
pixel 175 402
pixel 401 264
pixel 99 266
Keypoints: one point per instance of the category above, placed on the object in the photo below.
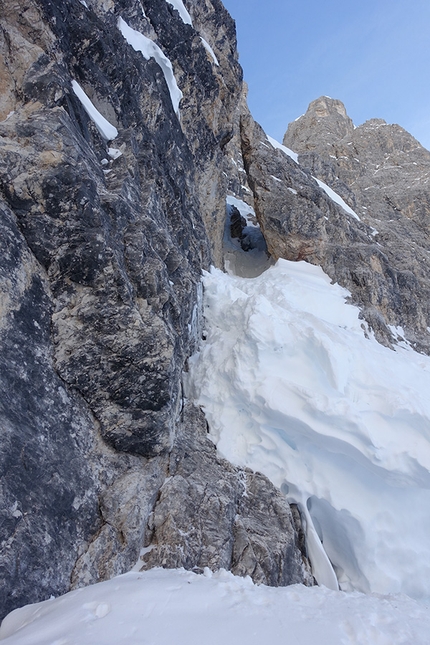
pixel 374 55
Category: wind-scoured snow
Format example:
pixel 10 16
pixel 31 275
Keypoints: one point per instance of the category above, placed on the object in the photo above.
pixel 179 6
pixel 178 607
pixel 294 156
pixel 106 129
pixel 291 387
pixel 336 198
pixel 149 49
pixel 209 50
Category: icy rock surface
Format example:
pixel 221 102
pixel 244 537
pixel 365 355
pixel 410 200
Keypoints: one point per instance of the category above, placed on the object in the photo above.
pixel 293 387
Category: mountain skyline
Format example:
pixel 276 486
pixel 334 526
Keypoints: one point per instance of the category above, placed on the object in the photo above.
pixel 373 57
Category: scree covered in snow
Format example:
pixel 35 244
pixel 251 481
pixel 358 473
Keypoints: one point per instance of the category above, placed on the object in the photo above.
pixel 178 607
pixel 292 387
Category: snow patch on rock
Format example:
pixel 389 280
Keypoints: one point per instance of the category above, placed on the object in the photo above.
pixel 106 129
pixel 149 49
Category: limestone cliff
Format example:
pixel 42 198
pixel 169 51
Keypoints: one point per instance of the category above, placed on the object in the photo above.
pixel 112 200
pixel 383 173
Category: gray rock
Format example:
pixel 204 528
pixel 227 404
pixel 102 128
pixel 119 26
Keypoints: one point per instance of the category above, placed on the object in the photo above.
pixel 212 514
pixel 379 259
pixel 384 174
pixel 100 296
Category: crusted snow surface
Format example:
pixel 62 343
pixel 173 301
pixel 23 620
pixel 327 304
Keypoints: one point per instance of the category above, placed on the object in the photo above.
pixel 179 6
pixel 336 198
pixel 294 156
pixel 106 129
pixel 291 387
pixel 149 49
pixel 209 50
pixel 179 607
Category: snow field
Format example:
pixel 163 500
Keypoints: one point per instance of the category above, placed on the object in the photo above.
pixel 292 387
pixel 161 607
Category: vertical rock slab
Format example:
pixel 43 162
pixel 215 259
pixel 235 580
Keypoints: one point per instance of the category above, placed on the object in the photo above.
pixel 103 244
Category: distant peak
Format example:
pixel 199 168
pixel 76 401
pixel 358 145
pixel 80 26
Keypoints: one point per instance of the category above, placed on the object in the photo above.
pixel 325 122
pixel 325 106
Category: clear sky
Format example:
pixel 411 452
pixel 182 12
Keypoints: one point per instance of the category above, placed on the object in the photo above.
pixel 374 55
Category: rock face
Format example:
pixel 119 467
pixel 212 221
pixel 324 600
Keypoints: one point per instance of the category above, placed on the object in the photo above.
pixel 212 514
pixel 383 173
pixel 354 201
pixel 102 247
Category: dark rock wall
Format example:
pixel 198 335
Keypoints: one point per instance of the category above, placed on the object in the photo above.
pixel 100 270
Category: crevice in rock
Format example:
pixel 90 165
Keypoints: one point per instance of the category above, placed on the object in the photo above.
pixel 245 249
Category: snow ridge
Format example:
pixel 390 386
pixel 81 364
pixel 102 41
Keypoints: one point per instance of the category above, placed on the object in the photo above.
pixel 336 198
pixel 210 51
pixel 179 6
pixel 293 155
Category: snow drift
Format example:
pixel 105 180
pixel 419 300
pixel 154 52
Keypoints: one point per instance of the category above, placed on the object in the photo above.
pixel 294 385
pixel 180 607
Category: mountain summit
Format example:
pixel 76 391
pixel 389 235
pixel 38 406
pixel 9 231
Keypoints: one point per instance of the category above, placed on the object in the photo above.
pixel 325 121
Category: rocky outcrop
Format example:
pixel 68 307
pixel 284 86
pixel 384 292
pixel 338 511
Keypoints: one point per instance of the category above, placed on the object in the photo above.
pixel 212 514
pixel 103 242
pixel 383 173
pixel 357 207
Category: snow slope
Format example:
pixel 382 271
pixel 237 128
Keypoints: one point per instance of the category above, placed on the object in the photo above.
pixel 178 607
pixel 292 387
